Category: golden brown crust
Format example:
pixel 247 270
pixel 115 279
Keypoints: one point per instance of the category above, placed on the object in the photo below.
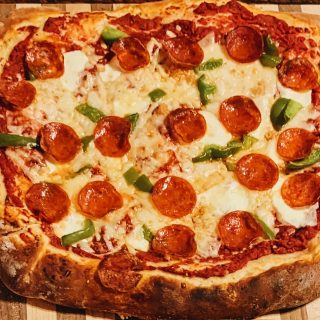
pixel 26 14
pixel 37 270
pixel 33 268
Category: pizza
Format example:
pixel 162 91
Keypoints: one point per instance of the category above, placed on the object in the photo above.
pixel 161 160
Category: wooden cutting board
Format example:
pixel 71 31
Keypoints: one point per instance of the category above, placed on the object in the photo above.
pixel 13 307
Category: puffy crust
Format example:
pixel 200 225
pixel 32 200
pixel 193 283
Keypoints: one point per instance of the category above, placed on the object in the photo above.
pixel 26 14
pixel 35 269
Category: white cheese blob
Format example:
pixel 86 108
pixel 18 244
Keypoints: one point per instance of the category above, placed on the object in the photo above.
pixel 109 73
pixel 216 133
pixel 302 97
pixel 224 198
pixel 74 64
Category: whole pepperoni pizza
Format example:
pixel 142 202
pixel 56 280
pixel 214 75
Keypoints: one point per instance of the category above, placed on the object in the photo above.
pixel 161 160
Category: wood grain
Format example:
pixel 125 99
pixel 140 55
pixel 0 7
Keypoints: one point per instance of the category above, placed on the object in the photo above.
pixel 12 307
pixel 64 313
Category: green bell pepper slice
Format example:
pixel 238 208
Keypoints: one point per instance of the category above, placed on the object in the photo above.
pixel 313 158
pixel 156 94
pixel 109 34
pixel 282 111
pixel 147 233
pixel 143 184
pixel 209 65
pixel 271 61
pixel 269 46
pixel 14 140
pixel 205 89
pixel 270 57
pixel 133 118
pixel 87 231
pixel 131 175
pixel 213 152
pixel 90 112
pixel 85 142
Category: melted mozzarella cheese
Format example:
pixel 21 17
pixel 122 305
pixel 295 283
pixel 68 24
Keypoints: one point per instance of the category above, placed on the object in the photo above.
pixel 225 197
pixel 74 64
pixel 71 223
pixel 232 78
pixel 302 97
pixel 109 73
pixel 136 241
pixel 298 217
pixel 267 217
pixel 216 132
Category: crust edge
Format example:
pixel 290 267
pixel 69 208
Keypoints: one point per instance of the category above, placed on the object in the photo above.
pixel 37 270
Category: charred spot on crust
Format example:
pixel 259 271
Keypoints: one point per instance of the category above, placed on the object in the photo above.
pixel 205 294
pixel 56 269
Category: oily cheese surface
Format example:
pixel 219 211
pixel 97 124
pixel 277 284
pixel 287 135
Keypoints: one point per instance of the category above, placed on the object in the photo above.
pixel 150 150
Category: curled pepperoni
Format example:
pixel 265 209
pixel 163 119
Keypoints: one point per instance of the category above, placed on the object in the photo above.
pixel 183 52
pixel 98 198
pixel 111 136
pixel 59 142
pixel 257 172
pixel 300 190
pixel 18 94
pixel 174 197
pixel 131 53
pixel 119 271
pixel 295 144
pixel 244 44
pixel 239 115
pixel 48 200
pixel 175 241
pixel 185 125
pixel 298 74
pixel 237 229
pixel 45 60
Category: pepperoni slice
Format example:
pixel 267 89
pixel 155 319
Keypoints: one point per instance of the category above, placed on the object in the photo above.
pixel 174 197
pixel 238 228
pixel 183 52
pixel 18 94
pixel 98 198
pixel 45 60
pixel 257 172
pixel 316 98
pixel 119 271
pixel 300 190
pixel 175 241
pixel 295 144
pixel 185 125
pixel 239 115
pixel 59 142
pixel 111 136
pixel 48 200
pixel 244 44
pixel 298 74
pixel 131 53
